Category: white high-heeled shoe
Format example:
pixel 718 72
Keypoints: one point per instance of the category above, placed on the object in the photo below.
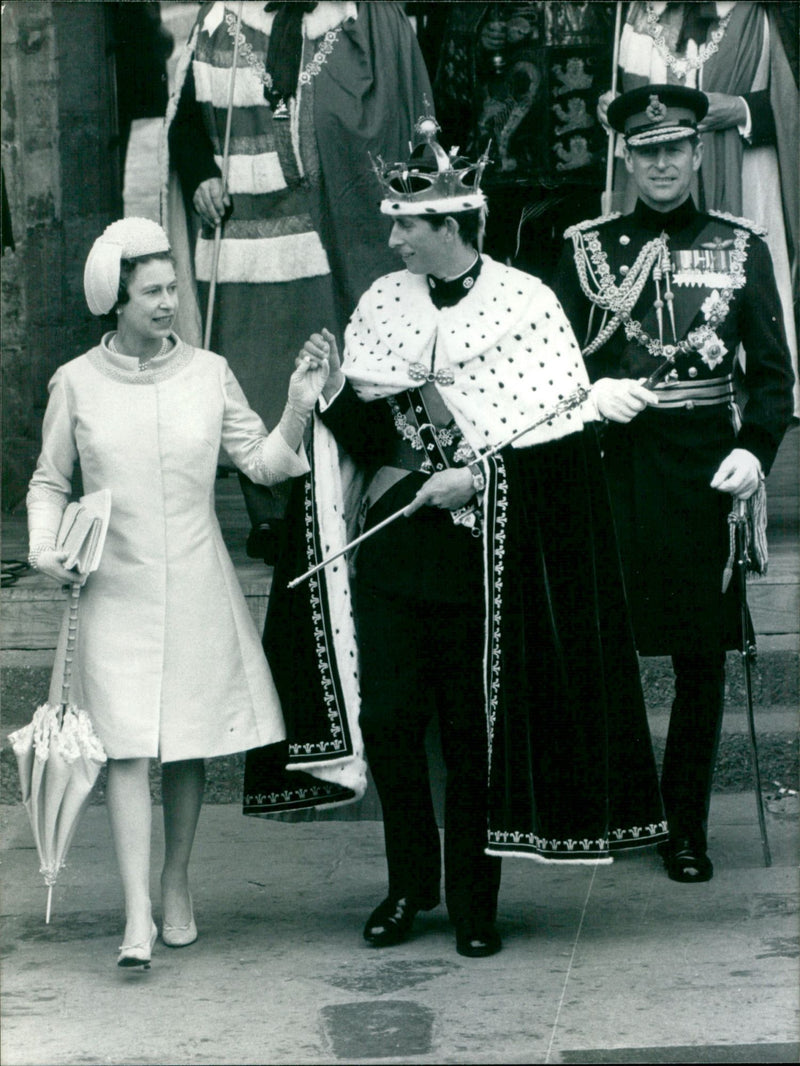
pixel 180 936
pixel 138 954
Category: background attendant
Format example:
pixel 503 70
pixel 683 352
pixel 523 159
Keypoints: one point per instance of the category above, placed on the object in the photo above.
pixel 318 86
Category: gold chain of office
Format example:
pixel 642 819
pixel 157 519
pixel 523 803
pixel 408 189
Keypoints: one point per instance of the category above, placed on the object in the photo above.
pixel 681 67
pixel 311 69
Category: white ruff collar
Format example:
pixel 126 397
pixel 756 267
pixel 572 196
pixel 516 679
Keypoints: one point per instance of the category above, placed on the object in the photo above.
pixel 512 353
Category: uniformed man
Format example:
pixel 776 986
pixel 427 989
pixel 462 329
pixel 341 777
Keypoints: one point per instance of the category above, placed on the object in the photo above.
pixel 660 300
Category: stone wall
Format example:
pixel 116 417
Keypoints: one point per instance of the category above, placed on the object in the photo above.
pixel 62 172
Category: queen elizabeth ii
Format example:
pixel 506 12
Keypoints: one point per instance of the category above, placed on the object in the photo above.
pixel 168 663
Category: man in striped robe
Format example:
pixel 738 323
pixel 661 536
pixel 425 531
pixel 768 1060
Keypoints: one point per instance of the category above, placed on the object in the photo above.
pixel 317 89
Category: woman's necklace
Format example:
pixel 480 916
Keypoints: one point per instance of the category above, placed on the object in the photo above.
pixel 681 67
pixel 144 364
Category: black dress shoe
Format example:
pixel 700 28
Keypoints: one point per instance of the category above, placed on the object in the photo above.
pixel 390 923
pixel 686 862
pixel 476 939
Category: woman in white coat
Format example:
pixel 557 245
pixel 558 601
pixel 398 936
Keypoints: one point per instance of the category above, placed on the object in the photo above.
pixel 168 661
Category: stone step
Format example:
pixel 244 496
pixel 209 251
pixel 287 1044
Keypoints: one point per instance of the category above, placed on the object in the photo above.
pixel 25 676
pixel 775 679
pixel 769 719
pixel 33 606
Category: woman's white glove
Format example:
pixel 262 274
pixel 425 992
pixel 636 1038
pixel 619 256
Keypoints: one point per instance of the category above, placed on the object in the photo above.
pixel 50 561
pixel 306 383
pixel 305 388
pixel 323 346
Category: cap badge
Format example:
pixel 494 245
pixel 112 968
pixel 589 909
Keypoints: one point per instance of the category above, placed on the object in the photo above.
pixel 655 110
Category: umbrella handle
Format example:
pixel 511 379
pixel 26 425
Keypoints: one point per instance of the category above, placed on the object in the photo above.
pixel 72 633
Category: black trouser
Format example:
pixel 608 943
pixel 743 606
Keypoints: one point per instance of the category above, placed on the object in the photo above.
pixel 692 742
pixel 418 658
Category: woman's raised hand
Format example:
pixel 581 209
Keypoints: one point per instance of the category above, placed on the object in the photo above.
pixel 323 346
pixel 307 381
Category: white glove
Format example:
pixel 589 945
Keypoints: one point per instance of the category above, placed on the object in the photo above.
pixel 621 399
pixel 739 474
pixel 323 346
pixel 306 383
pixel 50 561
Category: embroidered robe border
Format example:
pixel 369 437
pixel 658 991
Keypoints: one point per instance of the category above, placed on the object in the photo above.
pixel 512 842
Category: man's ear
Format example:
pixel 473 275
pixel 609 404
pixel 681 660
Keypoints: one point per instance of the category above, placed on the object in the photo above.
pixel 697 154
pixel 452 226
pixel 628 159
pixel 482 227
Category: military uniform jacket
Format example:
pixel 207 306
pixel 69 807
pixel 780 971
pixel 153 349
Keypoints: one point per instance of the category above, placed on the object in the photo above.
pixel 673 527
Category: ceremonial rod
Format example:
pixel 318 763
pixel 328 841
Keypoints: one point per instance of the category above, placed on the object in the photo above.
pixel 575 399
pixel 572 401
pixel 212 290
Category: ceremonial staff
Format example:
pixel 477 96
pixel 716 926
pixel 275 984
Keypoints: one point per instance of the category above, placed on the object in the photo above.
pixel 572 401
pixel 612 138
pixel 225 163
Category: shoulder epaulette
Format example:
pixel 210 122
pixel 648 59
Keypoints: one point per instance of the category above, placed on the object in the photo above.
pixel 744 223
pixel 590 223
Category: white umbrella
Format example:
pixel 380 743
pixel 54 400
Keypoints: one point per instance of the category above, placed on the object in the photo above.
pixel 59 758
pixel 58 754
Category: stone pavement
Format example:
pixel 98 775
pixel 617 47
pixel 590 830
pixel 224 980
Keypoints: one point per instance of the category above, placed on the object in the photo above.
pixel 600 964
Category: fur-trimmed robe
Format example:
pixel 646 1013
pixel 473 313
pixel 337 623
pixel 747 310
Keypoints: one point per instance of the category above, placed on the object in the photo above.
pixel 571 770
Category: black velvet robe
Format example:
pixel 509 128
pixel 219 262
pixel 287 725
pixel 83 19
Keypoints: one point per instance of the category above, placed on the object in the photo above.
pixel 571 771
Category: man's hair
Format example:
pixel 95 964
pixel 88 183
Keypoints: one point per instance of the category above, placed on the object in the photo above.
pixel 470 224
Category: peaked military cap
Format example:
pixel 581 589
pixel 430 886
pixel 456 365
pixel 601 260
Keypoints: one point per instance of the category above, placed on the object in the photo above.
pixel 655 114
